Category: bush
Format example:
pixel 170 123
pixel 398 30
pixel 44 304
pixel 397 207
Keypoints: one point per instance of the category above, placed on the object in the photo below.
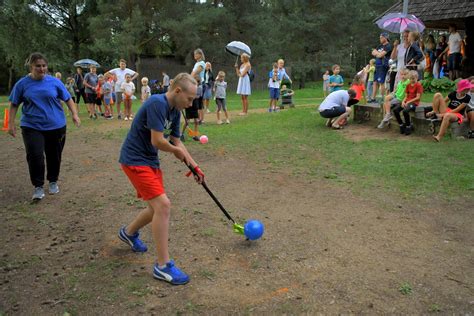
pixel 439 85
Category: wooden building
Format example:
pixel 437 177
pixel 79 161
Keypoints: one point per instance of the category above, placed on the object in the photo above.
pixel 439 15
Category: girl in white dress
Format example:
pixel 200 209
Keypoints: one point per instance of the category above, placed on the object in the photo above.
pixel 243 87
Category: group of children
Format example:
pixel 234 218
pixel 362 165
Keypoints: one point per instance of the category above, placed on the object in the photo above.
pixel 457 106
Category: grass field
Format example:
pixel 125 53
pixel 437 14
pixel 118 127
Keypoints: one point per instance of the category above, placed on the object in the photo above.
pixel 298 141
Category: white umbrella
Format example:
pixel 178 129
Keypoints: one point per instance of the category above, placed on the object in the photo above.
pixel 236 48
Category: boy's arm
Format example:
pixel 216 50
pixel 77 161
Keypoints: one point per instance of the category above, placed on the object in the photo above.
pixel 416 98
pixel 459 108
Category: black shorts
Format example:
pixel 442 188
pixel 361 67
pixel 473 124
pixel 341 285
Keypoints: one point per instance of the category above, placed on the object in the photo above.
pixel 98 101
pixel 91 97
pixel 334 112
pixel 454 61
pixel 199 103
pixel 192 112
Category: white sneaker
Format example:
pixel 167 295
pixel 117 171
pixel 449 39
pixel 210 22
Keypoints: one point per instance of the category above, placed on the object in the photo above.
pixel 388 117
pixel 126 118
pixel 227 121
pixel 53 188
pixel 38 194
pixel 219 122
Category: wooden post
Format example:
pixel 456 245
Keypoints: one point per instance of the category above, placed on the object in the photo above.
pixel 468 66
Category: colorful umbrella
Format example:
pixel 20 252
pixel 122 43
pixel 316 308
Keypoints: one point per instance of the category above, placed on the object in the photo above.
pixel 86 63
pixel 399 22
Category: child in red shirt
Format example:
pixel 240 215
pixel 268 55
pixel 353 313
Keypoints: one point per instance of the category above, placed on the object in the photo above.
pixel 359 87
pixel 412 98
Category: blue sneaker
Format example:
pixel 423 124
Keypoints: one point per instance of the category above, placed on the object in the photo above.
pixel 133 241
pixel 170 274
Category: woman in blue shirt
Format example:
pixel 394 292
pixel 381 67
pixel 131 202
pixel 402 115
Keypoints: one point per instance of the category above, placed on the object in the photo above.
pixel 43 123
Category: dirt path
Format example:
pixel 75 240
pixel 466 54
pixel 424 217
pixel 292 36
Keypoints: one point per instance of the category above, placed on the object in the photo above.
pixel 324 250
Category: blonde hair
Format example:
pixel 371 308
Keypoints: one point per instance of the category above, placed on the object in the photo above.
pixel 182 80
pixel 404 71
pixel 221 73
pixel 200 52
pixel 58 75
pixel 415 35
pixel 246 57
pixel 372 61
pixel 145 80
pixel 413 74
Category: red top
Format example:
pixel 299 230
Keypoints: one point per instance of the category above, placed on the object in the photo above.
pixel 359 89
pixel 412 90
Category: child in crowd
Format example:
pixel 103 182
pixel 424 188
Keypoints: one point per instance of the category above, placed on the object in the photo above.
pixel 359 87
pixel 326 83
pixel 336 82
pixel 128 88
pixel 370 69
pixel 413 93
pixel 451 108
pixel 58 76
pixel 286 96
pixel 107 87
pixel 71 87
pixel 220 87
pixel 470 109
pixel 395 99
pixel 193 111
pixel 98 90
pixel 146 91
pixel 274 88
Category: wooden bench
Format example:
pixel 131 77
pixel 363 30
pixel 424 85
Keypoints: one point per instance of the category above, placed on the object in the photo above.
pixel 371 114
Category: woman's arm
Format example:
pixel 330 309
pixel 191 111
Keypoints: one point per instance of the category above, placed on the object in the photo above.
pixel 11 119
pixel 72 107
pixel 246 69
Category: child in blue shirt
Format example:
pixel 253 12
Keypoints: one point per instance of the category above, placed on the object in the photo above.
pixel 336 82
pixel 274 87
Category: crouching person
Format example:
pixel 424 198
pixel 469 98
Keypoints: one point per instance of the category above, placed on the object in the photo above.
pixel 336 107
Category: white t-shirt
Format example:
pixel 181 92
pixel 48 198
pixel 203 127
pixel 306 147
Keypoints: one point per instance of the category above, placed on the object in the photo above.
pixel 146 92
pixel 335 99
pixel 127 87
pixel 401 50
pixel 454 43
pixel 120 74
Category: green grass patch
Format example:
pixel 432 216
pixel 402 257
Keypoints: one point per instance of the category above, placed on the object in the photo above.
pixel 297 141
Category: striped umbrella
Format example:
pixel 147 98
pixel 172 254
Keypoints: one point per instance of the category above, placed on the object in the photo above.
pixel 399 22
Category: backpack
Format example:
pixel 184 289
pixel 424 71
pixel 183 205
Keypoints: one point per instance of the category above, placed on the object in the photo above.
pixel 251 75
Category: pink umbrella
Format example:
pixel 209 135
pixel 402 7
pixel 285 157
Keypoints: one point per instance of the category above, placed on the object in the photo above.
pixel 399 22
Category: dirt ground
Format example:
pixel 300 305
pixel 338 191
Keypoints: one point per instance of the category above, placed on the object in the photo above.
pixel 325 249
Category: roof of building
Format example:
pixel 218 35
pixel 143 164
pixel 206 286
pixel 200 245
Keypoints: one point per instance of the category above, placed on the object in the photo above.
pixel 437 14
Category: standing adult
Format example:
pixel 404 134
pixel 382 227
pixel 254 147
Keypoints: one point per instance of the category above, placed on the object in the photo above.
pixel 207 86
pixel 243 87
pixel 90 82
pixel 43 122
pixel 398 54
pixel 166 81
pixel 454 54
pixel 414 54
pixel 199 69
pixel 79 90
pixel 381 54
pixel 119 74
pixel 430 49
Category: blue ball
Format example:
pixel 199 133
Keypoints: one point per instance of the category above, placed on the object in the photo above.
pixel 253 229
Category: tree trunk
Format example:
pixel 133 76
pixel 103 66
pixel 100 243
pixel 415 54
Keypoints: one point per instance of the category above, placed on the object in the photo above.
pixel 11 77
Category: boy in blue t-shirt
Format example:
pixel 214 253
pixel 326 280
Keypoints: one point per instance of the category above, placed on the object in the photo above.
pixel 156 127
pixel 336 82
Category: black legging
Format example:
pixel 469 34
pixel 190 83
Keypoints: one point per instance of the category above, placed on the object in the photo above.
pixel 406 113
pixel 37 144
pixel 80 93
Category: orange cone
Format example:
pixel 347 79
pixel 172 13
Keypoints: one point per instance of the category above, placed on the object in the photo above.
pixel 6 119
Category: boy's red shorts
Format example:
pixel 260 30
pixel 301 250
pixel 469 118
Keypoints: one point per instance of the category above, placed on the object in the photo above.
pixel 148 181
